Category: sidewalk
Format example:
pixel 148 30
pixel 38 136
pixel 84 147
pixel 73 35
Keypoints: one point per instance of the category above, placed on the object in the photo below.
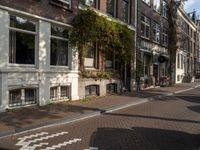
pixel 25 119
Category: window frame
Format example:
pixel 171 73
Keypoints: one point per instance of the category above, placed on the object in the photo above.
pixel 164 9
pixel 145 23
pixel 61 39
pixel 114 8
pixel 23 97
pixel 59 96
pixel 148 2
pixel 158 7
pixel 128 2
pixel 62 3
pixel 156 28
pixel 36 43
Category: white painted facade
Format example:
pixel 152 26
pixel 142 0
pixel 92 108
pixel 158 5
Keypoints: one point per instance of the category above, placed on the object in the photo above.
pixel 42 75
pixel 180 66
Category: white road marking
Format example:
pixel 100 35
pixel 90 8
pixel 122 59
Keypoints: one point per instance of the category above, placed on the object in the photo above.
pixel 92 148
pixel 25 145
pixel 62 144
pixel 21 142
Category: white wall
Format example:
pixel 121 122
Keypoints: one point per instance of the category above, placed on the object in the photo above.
pixel 42 75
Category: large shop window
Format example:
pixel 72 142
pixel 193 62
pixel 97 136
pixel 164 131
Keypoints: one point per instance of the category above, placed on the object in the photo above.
pixel 90 56
pixel 22 40
pixel 145 27
pixel 59 46
pixel 59 93
pixel 111 7
pixel 125 10
pixel 156 32
pixel 21 97
pixel 92 90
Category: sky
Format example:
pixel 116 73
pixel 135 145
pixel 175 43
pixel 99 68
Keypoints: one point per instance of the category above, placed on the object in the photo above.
pixel 190 5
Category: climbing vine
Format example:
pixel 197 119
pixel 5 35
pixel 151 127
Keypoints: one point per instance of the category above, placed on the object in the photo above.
pixel 110 36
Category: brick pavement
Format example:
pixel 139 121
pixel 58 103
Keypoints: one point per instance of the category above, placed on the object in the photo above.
pixel 33 116
pixel 170 123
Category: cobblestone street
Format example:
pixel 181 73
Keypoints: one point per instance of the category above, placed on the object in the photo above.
pixel 170 123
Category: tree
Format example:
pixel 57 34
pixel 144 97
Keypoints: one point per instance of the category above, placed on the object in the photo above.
pixel 173 38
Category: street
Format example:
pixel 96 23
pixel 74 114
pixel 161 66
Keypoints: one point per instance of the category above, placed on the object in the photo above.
pixel 170 123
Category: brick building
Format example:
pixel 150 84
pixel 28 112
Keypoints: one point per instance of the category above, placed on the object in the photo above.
pixel 152 39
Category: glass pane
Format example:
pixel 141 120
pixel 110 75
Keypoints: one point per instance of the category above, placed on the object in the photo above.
pixel 59 31
pixel 93 90
pixel 87 90
pixel 30 96
pixel 59 52
pixel 111 7
pixel 22 23
pixel 90 51
pixel 64 91
pixel 22 48
pixel 92 3
pixel 53 93
pixel 15 97
pixel 125 5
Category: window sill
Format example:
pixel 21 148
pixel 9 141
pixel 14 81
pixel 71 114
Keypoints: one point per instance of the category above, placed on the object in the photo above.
pixel 58 67
pixel 22 65
pixel 145 38
pixel 90 68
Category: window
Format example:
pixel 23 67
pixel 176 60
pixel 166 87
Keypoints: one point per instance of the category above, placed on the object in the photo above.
pixel 178 61
pixel 165 37
pixel 111 7
pixel 156 32
pixel 90 56
pixel 59 46
pixel 182 61
pixel 62 3
pixel 22 37
pixel 165 9
pixel 64 91
pixel 59 93
pixel 92 3
pixel 147 2
pixel 111 88
pixel 21 97
pixel 125 10
pixel 53 93
pixel 145 27
pixel 92 90
pixel 110 60
pixel 156 5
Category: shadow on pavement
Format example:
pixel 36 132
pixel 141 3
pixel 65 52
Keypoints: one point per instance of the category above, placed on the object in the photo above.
pixel 140 138
pixel 34 115
pixel 194 108
pixel 154 117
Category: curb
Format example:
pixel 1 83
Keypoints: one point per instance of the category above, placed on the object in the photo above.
pixel 70 119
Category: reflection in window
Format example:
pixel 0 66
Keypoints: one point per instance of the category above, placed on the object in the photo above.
pixel 145 27
pixel 125 8
pixel 111 7
pixel 59 46
pixel 22 41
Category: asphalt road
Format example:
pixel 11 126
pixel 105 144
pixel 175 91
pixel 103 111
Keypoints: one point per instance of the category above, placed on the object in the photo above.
pixel 170 123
